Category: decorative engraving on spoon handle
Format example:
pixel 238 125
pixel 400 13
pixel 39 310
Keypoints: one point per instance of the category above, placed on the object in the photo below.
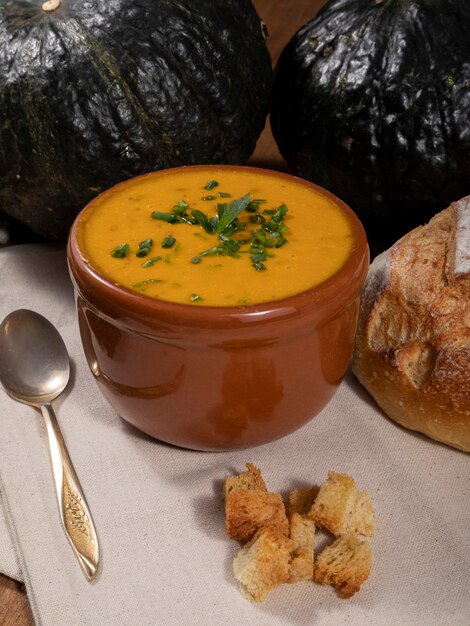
pixel 74 511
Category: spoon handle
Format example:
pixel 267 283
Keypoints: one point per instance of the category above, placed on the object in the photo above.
pixel 74 511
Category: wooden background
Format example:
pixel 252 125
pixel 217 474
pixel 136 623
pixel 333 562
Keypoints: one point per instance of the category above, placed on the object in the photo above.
pixel 283 18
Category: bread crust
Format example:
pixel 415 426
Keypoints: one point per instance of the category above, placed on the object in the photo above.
pixel 412 348
pixel 248 511
pixel 251 480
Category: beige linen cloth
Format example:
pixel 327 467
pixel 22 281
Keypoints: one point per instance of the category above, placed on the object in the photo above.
pixel 159 514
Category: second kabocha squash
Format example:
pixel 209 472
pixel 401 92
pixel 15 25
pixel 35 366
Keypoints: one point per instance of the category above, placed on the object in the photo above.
pixel 92 93
pixel 372 101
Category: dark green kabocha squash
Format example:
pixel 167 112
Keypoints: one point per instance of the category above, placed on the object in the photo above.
pixel 372 101
pixel 93 92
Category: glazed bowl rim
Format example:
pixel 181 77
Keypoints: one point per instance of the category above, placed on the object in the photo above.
pixel 141 303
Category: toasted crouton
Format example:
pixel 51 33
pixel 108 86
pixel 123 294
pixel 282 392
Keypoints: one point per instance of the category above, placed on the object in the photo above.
pixel 248 511
pixel 246 481
pixel 263 564
pixel 302 533
pixel 341 508
pixel 300 500
pixel 345 564
pixel 362 519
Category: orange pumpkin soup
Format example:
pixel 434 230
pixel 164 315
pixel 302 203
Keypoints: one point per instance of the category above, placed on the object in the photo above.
pixel 216 237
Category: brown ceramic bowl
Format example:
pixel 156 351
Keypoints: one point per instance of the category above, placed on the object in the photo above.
pixel 212 378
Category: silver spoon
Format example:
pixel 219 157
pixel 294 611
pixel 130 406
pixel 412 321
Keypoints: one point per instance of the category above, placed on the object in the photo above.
pixel 35 369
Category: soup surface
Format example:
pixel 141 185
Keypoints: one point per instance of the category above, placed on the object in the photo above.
pixel 215 237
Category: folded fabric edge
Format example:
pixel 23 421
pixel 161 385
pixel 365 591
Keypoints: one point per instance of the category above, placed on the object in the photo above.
pixel 12 562
pixel 9 563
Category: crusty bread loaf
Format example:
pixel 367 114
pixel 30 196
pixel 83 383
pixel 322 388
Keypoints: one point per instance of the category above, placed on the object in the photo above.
pixel 345 564
pixel 264 563
pixel 412 349
pixel 341 508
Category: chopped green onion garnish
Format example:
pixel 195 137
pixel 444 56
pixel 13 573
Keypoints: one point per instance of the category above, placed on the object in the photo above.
pixel 280 242
pixel 168 242
pixel 254 205
pixel 280 213
pixel 225 223
pixel 165 217
pixel 210 252
pixel 142 252
pixel 188 220
pixel 150 262
pixel 142 285
pixel 144 248
pixel 257 218
pixel 195 297
pixel 272 226
pixel 258 238
pixel 230 247
pixel 121 251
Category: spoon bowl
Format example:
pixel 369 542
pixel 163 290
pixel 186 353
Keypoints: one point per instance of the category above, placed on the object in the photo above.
pixel 43 374
pixel 35 369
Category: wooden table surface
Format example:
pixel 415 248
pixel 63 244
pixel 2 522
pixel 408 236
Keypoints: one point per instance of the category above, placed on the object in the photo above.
pixel 283 18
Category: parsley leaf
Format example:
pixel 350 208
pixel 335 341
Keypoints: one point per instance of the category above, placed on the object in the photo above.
pixel 227 213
